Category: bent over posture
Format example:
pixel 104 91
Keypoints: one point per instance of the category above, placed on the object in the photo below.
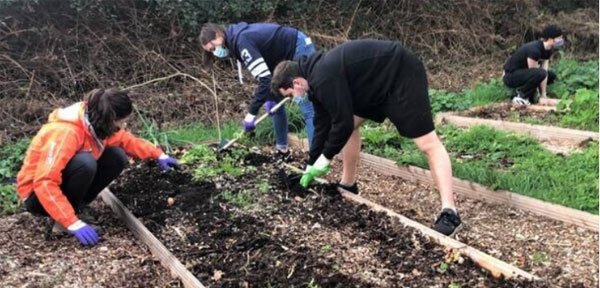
pixel 367 79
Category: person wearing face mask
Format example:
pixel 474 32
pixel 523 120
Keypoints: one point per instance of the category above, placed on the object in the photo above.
pixel 367 79
pixel 259 47
pixel 74 156
pixel 527 68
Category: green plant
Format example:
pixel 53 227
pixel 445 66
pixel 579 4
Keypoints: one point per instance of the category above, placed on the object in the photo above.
pixel 326 248
pixel 263 186
pixel 443 267
pixel 539 258
pixel 199 153
pixel 9 201
pixel 580 110
pixel 11 158
pixel 264 132
pixel 243 198
pixel 454 285
pixel 573 75
pixel 312 284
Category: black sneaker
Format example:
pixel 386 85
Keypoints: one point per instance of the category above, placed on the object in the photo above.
pixel 448 223
pixel 283 156
pixel 352 189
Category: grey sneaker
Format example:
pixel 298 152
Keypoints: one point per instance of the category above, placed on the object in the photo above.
pixel 448 223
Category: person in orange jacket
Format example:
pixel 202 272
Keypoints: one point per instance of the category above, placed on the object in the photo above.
pixel 74 156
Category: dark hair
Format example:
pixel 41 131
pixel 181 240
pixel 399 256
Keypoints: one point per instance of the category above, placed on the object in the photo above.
pixel 104 107
pixel 551 31
pixel 209 32
pixel 284 75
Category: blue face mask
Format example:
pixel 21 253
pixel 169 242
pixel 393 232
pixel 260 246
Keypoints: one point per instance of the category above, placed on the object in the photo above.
pixel 298 99
pixel 558 44
pixel 221 52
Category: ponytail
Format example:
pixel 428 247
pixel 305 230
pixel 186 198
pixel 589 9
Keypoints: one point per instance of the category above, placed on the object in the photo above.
pixel 104 107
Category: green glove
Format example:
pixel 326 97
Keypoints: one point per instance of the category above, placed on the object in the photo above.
pixel 320 168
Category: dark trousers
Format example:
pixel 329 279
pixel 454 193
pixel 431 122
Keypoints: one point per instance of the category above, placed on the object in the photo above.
pixel 84 178
pixel 527 80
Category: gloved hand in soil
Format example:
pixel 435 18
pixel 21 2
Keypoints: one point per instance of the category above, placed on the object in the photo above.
pixel 84 233
pixel 249 123
pixel 269 105
pixel 166 162
pixel 318 169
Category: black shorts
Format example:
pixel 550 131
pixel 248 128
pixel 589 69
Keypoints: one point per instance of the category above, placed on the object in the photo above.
pixel 408 106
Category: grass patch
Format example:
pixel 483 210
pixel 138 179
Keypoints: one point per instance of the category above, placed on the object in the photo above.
pixel 483 93
pixel 502 160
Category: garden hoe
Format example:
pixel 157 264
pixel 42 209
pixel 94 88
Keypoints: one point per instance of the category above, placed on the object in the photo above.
pixel 224 145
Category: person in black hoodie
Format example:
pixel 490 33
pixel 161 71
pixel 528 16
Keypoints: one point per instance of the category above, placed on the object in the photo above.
pixel 527 68
pixel 259 47
pixel 367 79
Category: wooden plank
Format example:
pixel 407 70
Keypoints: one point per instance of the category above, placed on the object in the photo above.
pixel 536 131
pixel 496 267
pixel 477 191
pixel 541 108
pixel 159 251
pixel 548 101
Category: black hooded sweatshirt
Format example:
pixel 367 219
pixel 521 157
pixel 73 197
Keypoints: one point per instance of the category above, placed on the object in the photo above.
pixel 354 78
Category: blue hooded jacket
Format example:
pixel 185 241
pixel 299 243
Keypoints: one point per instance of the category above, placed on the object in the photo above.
pixel 260 47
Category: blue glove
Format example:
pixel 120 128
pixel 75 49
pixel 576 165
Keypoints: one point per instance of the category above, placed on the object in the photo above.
pixel 269 105
pixel 249 124
pixel 165 162
pixel 84 233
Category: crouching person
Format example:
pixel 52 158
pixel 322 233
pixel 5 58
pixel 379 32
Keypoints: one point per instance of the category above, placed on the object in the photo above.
pixel 367 79
pixel 76 154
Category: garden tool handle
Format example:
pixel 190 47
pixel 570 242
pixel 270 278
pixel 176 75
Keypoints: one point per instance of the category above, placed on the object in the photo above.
pixel 281 103
pixel 275 108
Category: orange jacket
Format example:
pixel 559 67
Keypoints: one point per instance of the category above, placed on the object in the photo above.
pixel 65 134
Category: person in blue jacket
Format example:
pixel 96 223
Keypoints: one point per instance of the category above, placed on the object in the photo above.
pixel 260 47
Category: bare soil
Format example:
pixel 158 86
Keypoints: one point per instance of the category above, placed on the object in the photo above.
pixel 287 236
pixel 516 114
pixel 564 254
pixel 30 257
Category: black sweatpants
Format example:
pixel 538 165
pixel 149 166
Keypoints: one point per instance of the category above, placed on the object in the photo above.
pixel 84 178
pixel 527 80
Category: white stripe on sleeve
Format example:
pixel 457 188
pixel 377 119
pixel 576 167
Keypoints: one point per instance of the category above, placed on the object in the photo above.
pixel 255 62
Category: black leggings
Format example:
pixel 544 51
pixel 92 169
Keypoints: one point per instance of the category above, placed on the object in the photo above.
pixel 527 80
pixel 84 178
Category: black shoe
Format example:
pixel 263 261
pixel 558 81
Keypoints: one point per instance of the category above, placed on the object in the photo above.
pixel 283 156
pixel 352 189
pixel 448 223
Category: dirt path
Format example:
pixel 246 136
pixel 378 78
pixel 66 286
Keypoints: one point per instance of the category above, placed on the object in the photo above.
pixel 27 259
pixel 562 253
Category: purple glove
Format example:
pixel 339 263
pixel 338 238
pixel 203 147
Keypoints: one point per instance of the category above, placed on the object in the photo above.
pixel 249 124
pixel 269 105
pixel 165 162
pixel 84 233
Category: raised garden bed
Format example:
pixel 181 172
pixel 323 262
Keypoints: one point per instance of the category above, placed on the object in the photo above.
pixel 257 229
pixel 561 246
